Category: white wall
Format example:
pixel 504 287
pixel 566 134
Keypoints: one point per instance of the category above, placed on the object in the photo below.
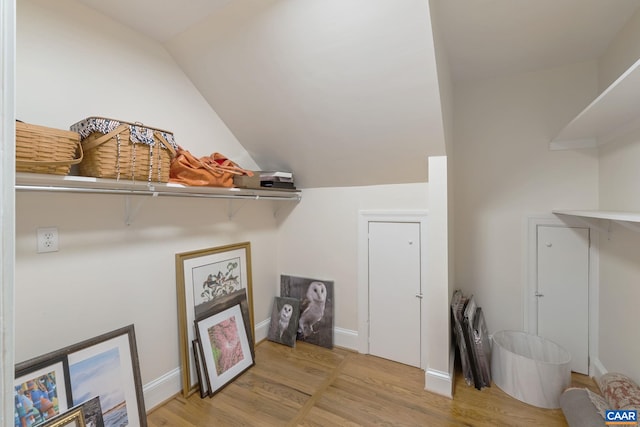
pixel 439 373
pixel 620 258
pixel 107 274
pixel 623 51
pixel 504 171
pixel 305 85
pixel 319 238
pixel 619 185
pixel 73 63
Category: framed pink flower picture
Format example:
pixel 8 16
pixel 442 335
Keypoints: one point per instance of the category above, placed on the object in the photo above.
pixel 226 342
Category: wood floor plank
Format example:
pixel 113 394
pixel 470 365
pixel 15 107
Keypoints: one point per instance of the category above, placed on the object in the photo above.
pixel 312 386
pixel 270 388
pixel 256 409
pixel 318 417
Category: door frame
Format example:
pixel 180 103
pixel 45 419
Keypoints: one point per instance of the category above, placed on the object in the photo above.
pixel 530 318
pixel 7 213
pixel 403 216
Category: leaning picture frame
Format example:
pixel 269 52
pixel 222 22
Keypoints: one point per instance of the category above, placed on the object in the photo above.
pixel 41 389
pixel 202 383
pixel 226 344
pixel 316 307
pixel 100 374
pixel 203 277
pixel 72 418
pixel 108 366
pixel 283 326
pixel 91 415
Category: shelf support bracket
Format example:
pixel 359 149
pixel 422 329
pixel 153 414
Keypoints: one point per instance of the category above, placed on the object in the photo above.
pixel 130 210
pixel 592 223
pixel 275 212
pixel 231 212
pixel 630 225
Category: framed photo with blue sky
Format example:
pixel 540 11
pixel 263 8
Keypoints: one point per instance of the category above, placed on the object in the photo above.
pixel 107 366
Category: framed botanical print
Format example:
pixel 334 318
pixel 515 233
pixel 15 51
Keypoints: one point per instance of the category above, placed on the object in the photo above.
pixel 203 277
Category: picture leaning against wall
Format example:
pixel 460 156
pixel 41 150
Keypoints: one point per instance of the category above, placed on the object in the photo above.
pixel 283 327
pixel 315 324
pixel 203 278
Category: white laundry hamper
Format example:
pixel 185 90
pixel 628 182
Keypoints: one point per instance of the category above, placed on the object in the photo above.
pixel 530 368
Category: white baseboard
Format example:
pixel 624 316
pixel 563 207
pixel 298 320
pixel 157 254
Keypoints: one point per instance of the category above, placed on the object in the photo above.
pixel 165 387
pixel 162 389
pixel 441 382
pixel 262 330
pixel 597 368
pixel 345 338
pixel 438 382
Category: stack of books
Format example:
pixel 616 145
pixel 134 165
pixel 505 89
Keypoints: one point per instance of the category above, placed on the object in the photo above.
pixel 276 179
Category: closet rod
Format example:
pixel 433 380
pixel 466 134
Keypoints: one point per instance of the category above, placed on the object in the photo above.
pixel 153 193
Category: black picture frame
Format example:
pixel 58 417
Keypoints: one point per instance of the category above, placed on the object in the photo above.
pixel 197 357
pixel 226 342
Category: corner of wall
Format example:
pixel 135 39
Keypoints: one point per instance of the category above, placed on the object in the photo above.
pixel 440 382
pixel 597 368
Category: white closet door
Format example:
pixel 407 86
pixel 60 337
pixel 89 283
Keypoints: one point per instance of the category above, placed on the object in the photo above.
pixel 563 290
pixel 394 291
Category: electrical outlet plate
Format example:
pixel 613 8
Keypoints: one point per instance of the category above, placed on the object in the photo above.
pixel 47 239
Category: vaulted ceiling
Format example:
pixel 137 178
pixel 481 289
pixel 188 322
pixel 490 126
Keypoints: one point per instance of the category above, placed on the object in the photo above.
pixel 345 92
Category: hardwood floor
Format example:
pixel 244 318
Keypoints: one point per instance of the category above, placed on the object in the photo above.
pixel 313 386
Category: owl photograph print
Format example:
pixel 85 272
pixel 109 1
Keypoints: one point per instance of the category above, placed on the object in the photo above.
pixel 315 324
pixel 284 321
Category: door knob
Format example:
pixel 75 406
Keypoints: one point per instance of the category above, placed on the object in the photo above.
pixel 538 294
pixel 419 295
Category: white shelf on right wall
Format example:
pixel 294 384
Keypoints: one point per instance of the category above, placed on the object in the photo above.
pixel 629 220
pixel 610 215
pixel 615 112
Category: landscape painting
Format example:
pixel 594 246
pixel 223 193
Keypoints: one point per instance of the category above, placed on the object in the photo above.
pixel 101 375
pixel 107 367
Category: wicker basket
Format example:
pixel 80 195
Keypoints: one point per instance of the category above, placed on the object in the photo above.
pixel 122 150
pixel 41 149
